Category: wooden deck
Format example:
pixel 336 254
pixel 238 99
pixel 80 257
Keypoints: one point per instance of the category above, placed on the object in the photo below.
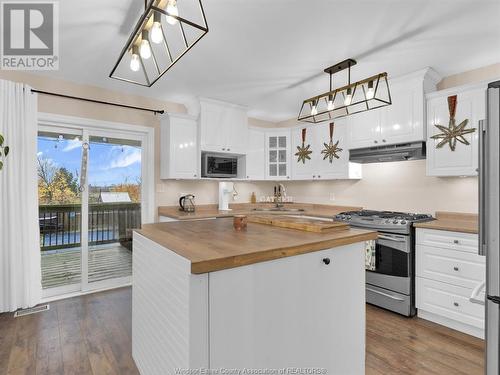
pixel 62 267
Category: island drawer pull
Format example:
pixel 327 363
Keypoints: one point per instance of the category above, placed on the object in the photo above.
pixel 326 261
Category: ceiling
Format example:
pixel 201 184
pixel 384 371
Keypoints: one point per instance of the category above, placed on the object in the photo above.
pixel 269 55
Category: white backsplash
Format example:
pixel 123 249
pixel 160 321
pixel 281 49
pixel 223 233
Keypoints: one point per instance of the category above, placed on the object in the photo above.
pixel 401 186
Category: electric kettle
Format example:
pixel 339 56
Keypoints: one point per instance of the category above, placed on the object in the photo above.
pixel 186 203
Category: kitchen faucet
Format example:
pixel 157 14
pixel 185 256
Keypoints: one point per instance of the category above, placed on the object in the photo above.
pixel 279 194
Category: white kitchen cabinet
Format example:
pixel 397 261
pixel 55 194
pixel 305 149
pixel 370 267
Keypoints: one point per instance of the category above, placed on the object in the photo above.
pixel 318 168
pixel 179 152
pixel 300 170
pixel 291 308
pixel 277 155
pixel 401 122
pixel 364 128
pixel 256 155
pixel 448 269
pixel 471 105
pixel 223 127
pixel 340 168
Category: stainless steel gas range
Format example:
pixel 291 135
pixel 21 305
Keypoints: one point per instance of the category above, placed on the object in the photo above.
pixel 391 281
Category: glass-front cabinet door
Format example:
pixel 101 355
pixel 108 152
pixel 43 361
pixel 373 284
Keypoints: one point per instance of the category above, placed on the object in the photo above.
pixel 278 155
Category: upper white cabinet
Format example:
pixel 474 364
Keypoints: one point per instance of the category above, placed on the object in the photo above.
pixel 277 154
pixel 471 105
pixel 256 154
pixel 402 121
pixel 179 153
pixel 364 129
pixel 223 127
pixel 319 168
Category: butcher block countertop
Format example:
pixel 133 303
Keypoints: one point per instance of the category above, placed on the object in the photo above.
pixel 453 222
pixel 211 210
pixel 213 245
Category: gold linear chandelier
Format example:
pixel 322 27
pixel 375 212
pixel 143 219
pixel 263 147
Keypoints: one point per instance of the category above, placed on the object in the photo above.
pixel 364 95
pixel 165 32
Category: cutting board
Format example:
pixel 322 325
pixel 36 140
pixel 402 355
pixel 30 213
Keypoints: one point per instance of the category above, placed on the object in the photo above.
pixel 299 223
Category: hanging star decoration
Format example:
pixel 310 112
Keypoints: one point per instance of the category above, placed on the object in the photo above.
pixel 303 151
pixel 453 132
pixel 331 149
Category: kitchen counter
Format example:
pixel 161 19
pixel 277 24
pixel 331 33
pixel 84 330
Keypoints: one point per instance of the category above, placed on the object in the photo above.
pixel 206 297
pixel 212 245
pixel 211 210
pixel 453 222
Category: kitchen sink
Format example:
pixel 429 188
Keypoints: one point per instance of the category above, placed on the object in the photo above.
pixel 279 209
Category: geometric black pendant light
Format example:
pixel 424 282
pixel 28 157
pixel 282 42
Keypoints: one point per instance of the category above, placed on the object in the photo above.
pixel 165 32
pixel 370 93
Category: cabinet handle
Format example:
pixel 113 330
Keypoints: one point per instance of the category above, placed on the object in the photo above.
pixel 456 304
pixel 456 242
pixel 326 261
pixel 383 140
pixel 319 176
pixel 288 177
pixel 194 175
pixel 314 176
pixel 455 268
pixel 228 149
pixel 375 141
pixel 223 149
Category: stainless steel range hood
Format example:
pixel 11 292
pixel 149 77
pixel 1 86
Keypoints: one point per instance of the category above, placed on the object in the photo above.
pixel 380 154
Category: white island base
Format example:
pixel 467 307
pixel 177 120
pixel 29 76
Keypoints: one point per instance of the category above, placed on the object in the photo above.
pixel 292 312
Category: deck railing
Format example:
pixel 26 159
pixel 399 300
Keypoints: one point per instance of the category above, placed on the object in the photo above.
pixel 60 224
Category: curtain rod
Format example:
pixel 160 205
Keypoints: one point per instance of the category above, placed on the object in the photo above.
pixel 155 111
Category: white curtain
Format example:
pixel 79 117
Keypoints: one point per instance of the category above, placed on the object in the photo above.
pixel 20 274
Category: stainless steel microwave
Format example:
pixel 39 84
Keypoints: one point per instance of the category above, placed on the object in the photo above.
pixel 219 166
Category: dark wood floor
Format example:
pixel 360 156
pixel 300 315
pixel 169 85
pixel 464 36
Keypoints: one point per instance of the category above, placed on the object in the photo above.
pixel 91 335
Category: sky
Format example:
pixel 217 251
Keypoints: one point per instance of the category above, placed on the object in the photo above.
pixel 109 164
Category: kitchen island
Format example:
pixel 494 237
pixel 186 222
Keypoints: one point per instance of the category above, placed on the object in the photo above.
pixel 263 299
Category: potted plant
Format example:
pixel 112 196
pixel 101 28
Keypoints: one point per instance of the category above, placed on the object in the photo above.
pixel 4 151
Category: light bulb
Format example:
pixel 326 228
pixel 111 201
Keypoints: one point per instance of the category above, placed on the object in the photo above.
pixel 173 10
pixel 348 97
pixel 145 48
pixel 156 32
pixel 331 105
pixel 314 109
pixel 370 93
pixel 135 63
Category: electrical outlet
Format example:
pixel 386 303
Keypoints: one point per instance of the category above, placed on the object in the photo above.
pixel 332 196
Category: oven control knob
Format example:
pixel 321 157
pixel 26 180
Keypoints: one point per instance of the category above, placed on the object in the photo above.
pixel 395 222
pixel 349 217
pixel 403 222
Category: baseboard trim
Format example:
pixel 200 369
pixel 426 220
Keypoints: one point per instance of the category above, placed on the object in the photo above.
pixel 450 323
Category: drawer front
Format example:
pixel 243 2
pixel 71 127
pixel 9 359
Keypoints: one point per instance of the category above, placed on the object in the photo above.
pixel 466 242
pixel 449 301
pixel 450 266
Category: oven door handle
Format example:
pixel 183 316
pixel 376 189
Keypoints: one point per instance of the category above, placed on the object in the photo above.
pixel 385 294
pixel 382 237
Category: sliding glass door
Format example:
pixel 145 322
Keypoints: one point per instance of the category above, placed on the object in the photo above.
pixel 114 201
pixel 60 207
pixel 90 189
